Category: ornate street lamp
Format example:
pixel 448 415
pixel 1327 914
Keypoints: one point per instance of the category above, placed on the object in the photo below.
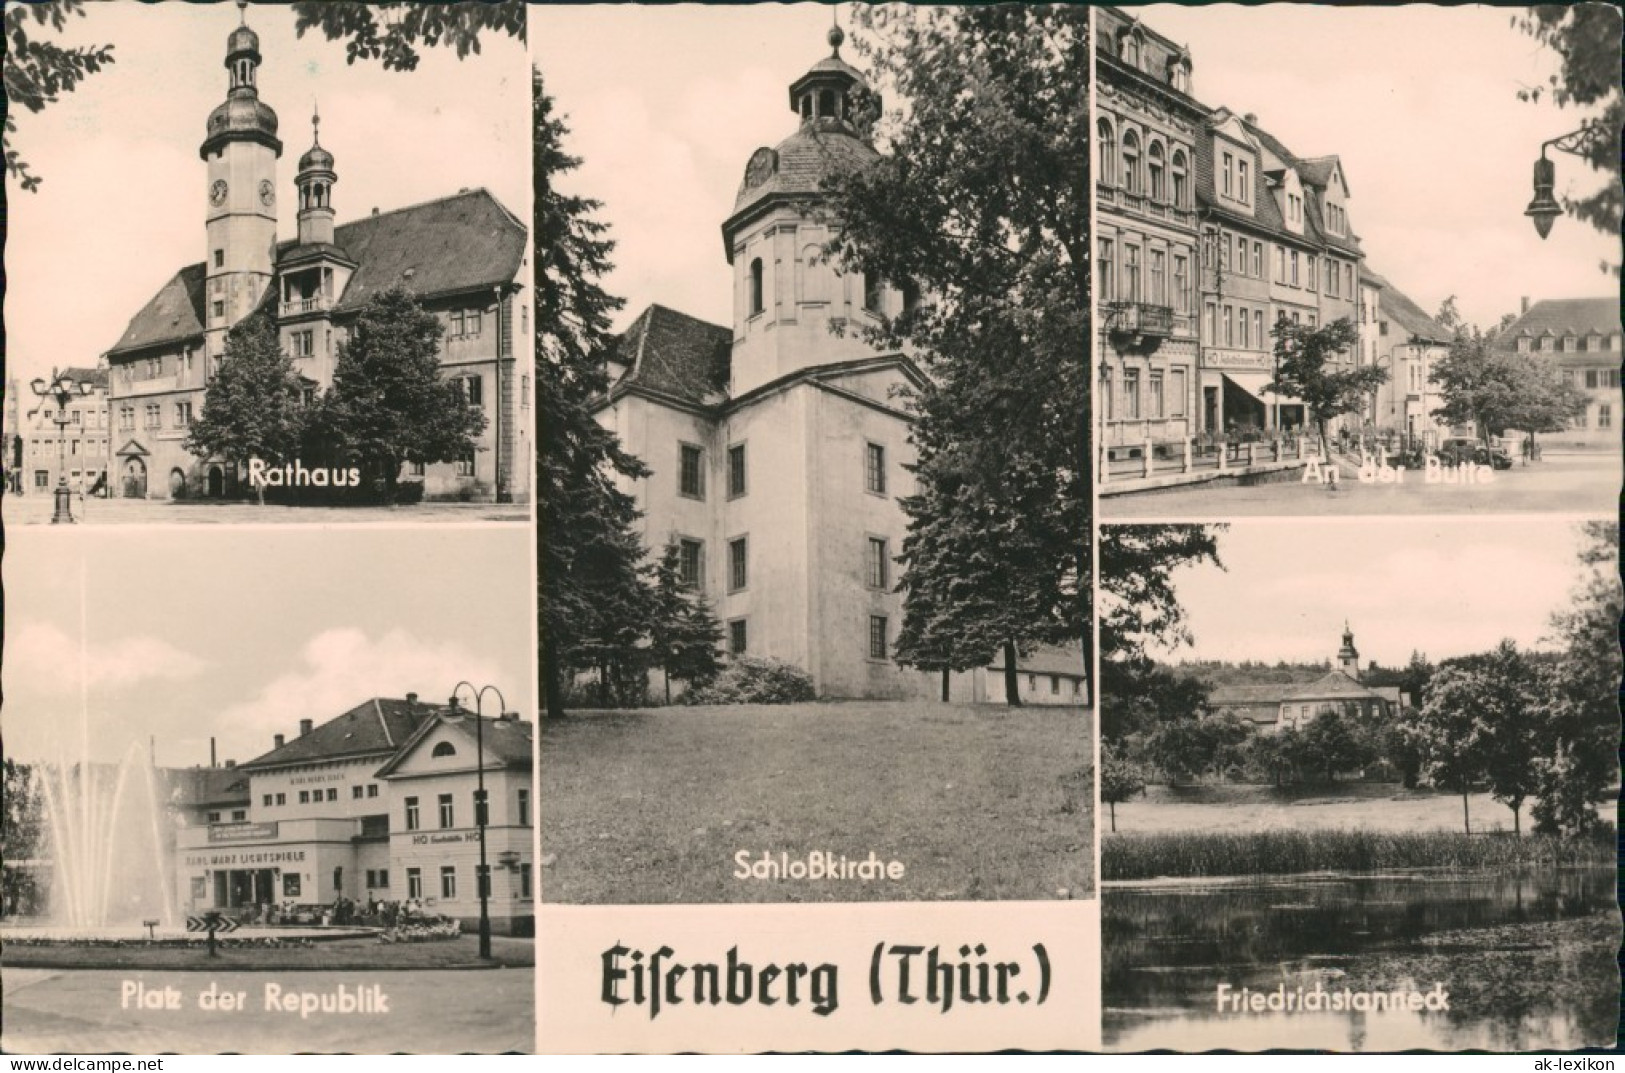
pixel 482 879
pixel 1544 207
pixel 63 389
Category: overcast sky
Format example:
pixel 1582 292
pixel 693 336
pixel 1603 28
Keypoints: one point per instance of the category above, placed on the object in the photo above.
pixel 124 196
pixel 1444 587
pixel 188 633
pixel 1421 104
pixel 665 106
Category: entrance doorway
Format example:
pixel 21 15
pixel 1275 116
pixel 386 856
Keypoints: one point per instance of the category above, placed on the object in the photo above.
pixel 135 479
pixel 217 482
pixel 177 484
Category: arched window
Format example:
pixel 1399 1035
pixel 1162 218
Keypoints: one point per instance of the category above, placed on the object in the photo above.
pixel 1108 152
pixel 1181 181
pixel 444 748
pixel 1131 162
pixel 1157 172
pixel 755 286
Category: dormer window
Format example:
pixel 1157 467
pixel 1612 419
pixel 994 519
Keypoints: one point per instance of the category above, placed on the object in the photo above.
pixel 444 748
pixel 1244 183
pixel 1131 47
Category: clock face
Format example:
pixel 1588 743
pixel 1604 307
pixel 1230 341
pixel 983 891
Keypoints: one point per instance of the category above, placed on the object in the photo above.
pixel 267 192
pixel 217 192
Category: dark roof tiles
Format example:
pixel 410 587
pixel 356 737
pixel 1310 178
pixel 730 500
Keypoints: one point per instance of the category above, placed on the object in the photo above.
pixel 1567 316
pixel 454 244
pixel 377 726
pixel 676 354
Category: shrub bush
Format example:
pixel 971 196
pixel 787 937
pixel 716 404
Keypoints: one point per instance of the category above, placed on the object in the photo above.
pixel 755 681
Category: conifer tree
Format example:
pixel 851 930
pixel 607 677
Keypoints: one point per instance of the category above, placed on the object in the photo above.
pixel 594 600
pixel 253 407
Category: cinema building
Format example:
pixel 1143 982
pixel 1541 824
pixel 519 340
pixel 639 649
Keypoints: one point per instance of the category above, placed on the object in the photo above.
pixel 376 805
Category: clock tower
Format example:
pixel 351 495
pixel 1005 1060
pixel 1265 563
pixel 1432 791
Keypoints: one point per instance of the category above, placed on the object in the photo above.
pixel 240 152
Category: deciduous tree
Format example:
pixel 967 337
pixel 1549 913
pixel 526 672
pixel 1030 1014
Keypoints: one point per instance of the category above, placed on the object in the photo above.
pixel 684 635
pixel 980 200
pixel 1120 779
pixel 39 71
pixel 392 32
pixel 254 405
pixel 1497 389
pixel 388 403
pixel 1312 365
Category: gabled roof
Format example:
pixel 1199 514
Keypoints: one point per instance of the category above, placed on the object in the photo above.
pixel 505 741
pixel 675 354
pixel 1332 685
pixel 175 313
pixel 86 374
pixel 455 244
pixel 1047 659
pixel 197 787
pixel 376 727
pixel 1241 695
pixel 1567 316
pixel 1396 306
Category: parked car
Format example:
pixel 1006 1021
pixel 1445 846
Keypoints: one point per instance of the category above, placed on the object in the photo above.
pixel 1458 449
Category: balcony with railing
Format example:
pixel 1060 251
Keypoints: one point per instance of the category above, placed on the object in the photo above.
pixel 320 303
pixel 1141 318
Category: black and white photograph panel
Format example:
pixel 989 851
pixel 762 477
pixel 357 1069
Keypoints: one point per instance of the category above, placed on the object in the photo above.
pixel 1357 260
pixel 814 493
pixel 270 805
pixel 310 299
pixel 1360 784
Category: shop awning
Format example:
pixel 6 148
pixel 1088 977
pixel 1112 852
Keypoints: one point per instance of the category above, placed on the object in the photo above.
pixel 1253 385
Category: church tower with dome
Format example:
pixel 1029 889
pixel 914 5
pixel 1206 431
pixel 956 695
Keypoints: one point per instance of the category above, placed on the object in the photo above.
pixel 240 151
pixel 779 445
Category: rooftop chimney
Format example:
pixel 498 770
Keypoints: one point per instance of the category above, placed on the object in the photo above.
pixel 278 739
pixel 411 698
pixel 231 763
pixel 1251 118
pixel 304 727
pixel 1523 304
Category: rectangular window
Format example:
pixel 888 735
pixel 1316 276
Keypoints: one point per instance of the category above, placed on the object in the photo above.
pixel 213 817
pixel 691 564
pixel 290 884
pixel 1244 184
pixel 1605 416
pixel 411 814
pixel 738 564
pixel 736 471
pixel 1229 328
pixel 1348 280
pixel 690 471
pixel 1176 393
pixel 304 797
pixel 1295 268
pixel 1159 278
pixel 414 883
pixel 219 258
pixel 1241 255
pixel 1154 394
pixel 1258 260
pixel 372 789
pixel 383 878
pixel 1131 394
pixel 448 881
pixel 879 564
pixel 1225 174
pixel 304 343
pixel 448 813
pixel 1182 284
pixel 524 807
pixel 473 388
pixel 524 881
pixel 154 420
pixel 1258 327
pixel 877 636
pixel 282 799
pixel 1108 280
pixel 238 815
pixel 464 466
pixel 1055 685
pixel 1131 273
pixel 738 637
pixel 1211 315
pixel 1312 272
pixel 1242 326
pixel 874 469
pixel 1280 264
pixel 356 791
pixel 267 800
pixel 332 793
pixel 218 309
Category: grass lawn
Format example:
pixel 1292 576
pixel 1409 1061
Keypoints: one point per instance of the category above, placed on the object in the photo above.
pixel 976 801
pixel 337 955
pixel 1236 809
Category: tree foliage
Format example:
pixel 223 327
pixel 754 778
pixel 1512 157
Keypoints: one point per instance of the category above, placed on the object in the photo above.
pixel 1496 389
pixel 254 406
pixel 1586 38
pixel 594 600
pixel 38 72
pixel 1120 779
pixel 981 201
pixel 388 403
pixel 1310 365
pixel 684 636
pixel 1139 608
pixel 393 32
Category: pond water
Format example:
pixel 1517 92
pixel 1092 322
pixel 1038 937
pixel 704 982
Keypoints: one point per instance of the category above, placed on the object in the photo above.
pixel 1490 939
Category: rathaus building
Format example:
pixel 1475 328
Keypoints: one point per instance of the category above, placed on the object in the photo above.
pixel 464 258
